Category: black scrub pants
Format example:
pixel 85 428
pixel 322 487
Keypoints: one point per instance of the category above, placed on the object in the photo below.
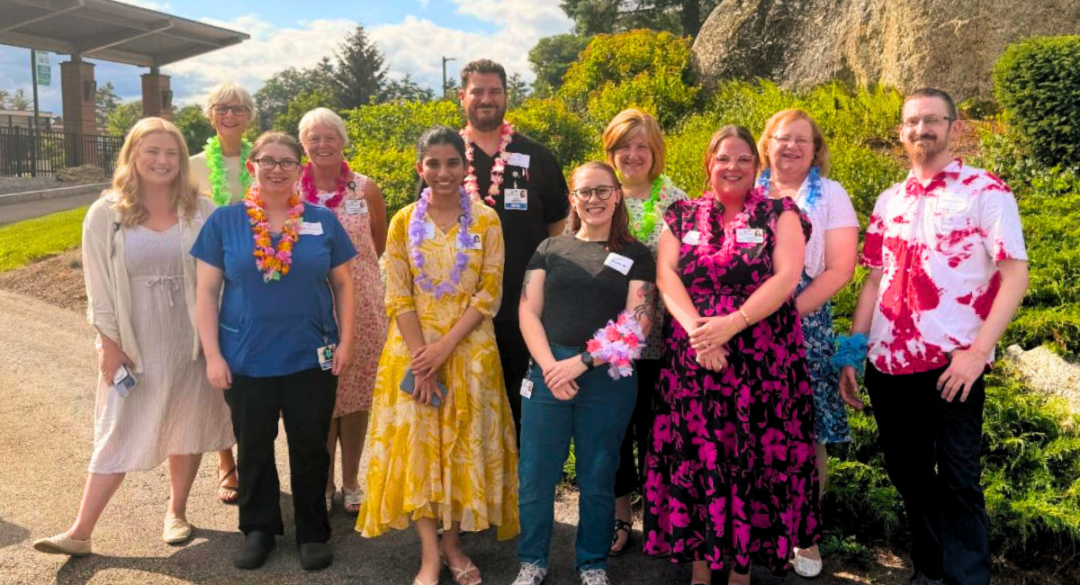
pixel 305 401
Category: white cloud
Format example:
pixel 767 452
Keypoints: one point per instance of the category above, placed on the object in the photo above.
pixel 413 46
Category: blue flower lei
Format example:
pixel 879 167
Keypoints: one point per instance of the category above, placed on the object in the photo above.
pixel 813 185
pixel 850 351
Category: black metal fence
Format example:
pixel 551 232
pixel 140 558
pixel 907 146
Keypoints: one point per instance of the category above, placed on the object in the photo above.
pixel 35 153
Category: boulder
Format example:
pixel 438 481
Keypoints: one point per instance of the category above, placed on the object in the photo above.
pixel 1048 372
pixel 907 44
pixel 82 174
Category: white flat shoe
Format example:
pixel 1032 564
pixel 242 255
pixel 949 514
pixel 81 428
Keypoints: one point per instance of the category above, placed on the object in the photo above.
pixel 176 531
pixel 62 544
pixel 806 567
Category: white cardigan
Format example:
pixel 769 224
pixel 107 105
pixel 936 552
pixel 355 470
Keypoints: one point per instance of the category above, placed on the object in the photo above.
pixel 108 291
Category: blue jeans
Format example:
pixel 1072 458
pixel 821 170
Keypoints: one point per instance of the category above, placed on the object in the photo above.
pixel 596 419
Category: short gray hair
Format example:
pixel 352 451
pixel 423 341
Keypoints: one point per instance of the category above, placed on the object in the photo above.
pixel 228 92
pixel 324 116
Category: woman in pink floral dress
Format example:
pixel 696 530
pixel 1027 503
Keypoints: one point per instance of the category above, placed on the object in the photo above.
pixel 358 204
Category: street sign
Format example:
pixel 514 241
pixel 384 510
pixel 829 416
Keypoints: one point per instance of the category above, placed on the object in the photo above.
pixel 44 69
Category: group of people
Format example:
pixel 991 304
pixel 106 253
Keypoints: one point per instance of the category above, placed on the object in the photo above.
pixel 684 346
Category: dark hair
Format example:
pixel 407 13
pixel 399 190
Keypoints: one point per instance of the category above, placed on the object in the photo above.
pixel 931 92
pixel 620 220
pixel 275 137
pixel 482 66
pixel 437 135
pixel 720 136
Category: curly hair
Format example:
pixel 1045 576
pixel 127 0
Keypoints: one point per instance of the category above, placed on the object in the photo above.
pixel 125 183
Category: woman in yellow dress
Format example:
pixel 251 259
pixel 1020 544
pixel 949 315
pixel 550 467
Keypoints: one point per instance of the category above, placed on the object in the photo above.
pixel 441 437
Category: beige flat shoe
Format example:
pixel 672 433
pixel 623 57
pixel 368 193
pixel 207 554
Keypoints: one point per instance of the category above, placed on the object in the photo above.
pixel 62 544
pixel 176 531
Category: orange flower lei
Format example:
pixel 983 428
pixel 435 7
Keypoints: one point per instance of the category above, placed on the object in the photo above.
pixel 272 262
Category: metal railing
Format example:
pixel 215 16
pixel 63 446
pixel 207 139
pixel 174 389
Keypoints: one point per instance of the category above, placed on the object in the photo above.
pixel 36 153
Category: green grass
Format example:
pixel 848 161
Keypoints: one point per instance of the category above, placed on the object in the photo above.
pixel 33 239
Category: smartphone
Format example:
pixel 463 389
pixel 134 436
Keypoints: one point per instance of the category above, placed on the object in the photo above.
pixel 408 386
pixel 123 381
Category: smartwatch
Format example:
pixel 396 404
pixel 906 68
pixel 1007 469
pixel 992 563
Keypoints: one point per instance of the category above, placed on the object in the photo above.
pixel 586 358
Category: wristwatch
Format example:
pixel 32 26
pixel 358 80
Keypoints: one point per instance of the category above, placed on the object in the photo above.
pixel 586 358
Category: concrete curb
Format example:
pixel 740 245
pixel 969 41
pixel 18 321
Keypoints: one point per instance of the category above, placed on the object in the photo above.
pixel 40 194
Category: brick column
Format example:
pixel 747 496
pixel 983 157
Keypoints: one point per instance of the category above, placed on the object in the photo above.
pixel 78 90
pixel 157 94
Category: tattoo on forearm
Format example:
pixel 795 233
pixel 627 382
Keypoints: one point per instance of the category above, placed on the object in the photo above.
pixel 647 294
pixel 525 286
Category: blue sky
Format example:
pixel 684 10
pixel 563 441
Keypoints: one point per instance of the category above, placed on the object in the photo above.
pixel 412 34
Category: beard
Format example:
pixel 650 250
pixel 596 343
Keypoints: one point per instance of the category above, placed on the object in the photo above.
pixel 486 119
pixel 923 152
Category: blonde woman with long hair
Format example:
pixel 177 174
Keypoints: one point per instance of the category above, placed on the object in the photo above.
pixel 140 288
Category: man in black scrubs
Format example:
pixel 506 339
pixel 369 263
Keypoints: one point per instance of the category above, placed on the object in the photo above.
pixel 532 201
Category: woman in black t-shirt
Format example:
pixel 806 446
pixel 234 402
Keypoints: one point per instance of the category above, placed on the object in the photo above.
pixel 575 286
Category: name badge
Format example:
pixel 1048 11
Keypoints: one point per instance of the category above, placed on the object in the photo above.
pixel 692 238
pixel 429 230
pixel 326 356
pixel 310 229
pixel 476 244
pixel 355 206
pixel 749 236
pixel 949 204
pixel 619 262
pixel 516 199
pixel 526 388
pixel 518 160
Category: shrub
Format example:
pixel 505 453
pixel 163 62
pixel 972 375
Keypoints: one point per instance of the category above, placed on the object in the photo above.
pixel 551 123
pixel 1038 82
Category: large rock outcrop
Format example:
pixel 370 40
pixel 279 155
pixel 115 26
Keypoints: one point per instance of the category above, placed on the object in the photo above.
pixel 907 44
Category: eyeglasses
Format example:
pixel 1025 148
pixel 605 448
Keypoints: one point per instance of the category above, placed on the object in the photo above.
pixel 743 162
pixel 602 193
pixel 926 121
pixel 236 110
pixel 286 164
pixel 788 139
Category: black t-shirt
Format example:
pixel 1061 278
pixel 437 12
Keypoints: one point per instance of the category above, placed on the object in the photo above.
pixel 523 229
pixel 581 293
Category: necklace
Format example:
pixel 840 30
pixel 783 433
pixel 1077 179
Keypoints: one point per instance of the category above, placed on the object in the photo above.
pixel 219 176
pixel 272 262
pixel 417 232
pixel 506 133
pixel 813 186
pixel 311 190
pixel 644 228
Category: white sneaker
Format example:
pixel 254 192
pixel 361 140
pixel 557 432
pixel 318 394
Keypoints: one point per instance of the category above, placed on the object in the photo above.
pixel 595 577
pixel 530 574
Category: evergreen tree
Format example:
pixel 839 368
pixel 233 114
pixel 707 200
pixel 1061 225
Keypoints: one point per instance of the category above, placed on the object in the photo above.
pixel 517 90
pixel 360 74
pixel 406 89
pixel 105 102
pixel 5 95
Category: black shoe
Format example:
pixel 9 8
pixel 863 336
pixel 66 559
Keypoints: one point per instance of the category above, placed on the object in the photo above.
pixel 920 579
pixel 257 546
pixel 315 556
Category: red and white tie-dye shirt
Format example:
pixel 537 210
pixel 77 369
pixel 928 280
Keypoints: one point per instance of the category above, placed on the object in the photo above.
pixel 937 247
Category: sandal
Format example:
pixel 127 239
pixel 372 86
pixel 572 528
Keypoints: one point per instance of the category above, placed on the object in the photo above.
pixel 351 500
pixel 620 526
pixel 227 494
pixel 460 575
pixel 330 499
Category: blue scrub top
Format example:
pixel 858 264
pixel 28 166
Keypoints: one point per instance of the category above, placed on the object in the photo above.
pixel 274 328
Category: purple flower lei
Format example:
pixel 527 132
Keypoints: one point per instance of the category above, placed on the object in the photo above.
pixel 416 237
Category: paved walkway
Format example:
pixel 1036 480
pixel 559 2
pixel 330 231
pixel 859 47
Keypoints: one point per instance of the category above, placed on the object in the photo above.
pixel 47 376
pixel 19 211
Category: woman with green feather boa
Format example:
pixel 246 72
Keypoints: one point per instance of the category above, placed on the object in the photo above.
pixel 634 145
pixel 220 172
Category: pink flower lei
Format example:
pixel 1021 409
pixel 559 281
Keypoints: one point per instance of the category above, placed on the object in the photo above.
pixel 416 238
pixel 506 133
pixel 704 220
pixel 311 191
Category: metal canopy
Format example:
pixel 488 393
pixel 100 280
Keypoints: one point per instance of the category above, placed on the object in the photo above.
pixel 109 30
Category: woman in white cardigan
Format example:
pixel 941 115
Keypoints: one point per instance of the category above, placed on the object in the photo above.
pixel 140 288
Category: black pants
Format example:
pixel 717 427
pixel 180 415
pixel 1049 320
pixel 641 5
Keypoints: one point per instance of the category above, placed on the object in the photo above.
pixel 627 478
pixel 918 432
pixel 305 400
pixel 514 355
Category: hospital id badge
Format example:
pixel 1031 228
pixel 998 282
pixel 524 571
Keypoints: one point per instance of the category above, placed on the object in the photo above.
pixel 326 356
pixel 355 207
pixel 749 236
pixel 516 199
pixel 526 388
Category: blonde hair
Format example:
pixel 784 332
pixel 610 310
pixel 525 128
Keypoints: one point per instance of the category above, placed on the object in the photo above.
pixel 624 125
pixel 324 116
pixel 821 150
pixel 184 194
pixel 229 92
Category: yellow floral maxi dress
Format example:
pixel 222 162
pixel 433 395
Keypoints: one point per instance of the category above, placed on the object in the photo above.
pixel 456 462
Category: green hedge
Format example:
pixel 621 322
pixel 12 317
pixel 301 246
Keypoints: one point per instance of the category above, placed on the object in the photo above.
pixel 1038 82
